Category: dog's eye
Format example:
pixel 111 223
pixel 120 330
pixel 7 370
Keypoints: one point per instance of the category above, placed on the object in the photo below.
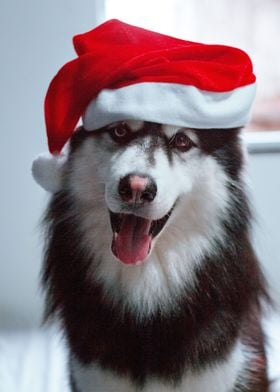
pixel 181 141
pixel 120 133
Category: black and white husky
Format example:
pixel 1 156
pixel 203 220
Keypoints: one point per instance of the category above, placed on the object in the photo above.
pixel 149 263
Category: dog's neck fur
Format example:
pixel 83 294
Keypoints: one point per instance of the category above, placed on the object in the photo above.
pixel 196 326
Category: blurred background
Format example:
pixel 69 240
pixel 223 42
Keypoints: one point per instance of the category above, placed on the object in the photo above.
pixel 36 41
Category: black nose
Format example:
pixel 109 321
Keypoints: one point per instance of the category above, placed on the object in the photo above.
pixel 137 189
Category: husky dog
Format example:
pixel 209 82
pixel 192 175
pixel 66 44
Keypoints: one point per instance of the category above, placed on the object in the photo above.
pixel 149 263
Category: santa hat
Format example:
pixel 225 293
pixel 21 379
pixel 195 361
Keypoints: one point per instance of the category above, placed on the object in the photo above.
pixel 124 72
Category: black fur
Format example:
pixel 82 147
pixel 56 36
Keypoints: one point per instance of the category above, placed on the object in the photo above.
pixel 205 322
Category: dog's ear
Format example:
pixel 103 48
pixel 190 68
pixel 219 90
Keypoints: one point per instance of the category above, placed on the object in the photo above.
pixel 47 170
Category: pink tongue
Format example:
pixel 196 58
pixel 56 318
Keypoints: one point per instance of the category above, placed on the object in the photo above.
pixel 132 243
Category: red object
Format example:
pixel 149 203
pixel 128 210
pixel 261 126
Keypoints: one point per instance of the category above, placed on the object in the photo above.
pixel 115 55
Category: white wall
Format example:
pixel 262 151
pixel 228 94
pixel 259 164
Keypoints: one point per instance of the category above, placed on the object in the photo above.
pixel 35 42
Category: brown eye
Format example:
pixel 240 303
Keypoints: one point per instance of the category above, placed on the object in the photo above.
pixel 120 132
pixel 181 141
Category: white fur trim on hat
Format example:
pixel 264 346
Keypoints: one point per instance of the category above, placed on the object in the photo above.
pixel 169 103
pixel 47 171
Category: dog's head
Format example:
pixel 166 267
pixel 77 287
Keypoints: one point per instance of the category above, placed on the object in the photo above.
pixel 138 180
pixel 143 206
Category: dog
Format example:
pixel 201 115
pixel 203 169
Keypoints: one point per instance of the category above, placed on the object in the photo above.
pixel 149 264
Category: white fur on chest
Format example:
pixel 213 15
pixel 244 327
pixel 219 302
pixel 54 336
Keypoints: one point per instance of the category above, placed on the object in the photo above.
pixel 220 377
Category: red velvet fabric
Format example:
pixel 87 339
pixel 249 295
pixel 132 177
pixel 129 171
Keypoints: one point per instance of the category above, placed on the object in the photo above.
pixel 116 54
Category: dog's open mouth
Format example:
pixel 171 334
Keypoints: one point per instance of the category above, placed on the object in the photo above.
pixel 133 235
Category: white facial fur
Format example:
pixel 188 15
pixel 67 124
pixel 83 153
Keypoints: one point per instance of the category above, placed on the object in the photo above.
pixel 132 159
pixel 198 184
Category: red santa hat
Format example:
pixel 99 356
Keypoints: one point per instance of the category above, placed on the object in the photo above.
pixel 125 72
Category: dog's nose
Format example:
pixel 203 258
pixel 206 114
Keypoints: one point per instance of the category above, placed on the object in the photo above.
pixel 137 189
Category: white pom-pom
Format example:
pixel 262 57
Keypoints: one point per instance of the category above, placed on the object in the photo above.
pixel 47 171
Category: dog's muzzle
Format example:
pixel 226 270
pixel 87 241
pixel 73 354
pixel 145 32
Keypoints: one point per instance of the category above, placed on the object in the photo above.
pixel 132 234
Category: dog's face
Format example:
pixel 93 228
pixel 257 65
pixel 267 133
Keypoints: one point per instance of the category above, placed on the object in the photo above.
pixel 147 192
